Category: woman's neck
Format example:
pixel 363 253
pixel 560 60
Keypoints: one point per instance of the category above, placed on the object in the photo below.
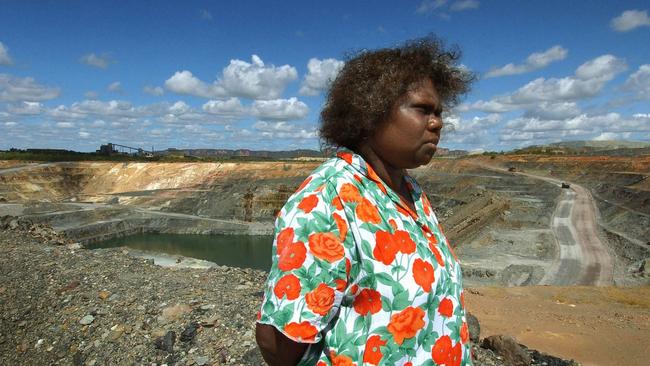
pixel 390 175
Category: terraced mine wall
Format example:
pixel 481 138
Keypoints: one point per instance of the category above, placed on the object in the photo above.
pixel 495 219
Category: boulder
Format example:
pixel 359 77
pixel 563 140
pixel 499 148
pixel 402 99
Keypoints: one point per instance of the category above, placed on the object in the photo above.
pixel 166 342
pixel 508 348
pixel 474 328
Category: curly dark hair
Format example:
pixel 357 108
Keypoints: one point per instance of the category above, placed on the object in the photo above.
pixel 363 94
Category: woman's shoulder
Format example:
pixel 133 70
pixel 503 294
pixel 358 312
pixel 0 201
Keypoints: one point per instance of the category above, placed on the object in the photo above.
pixel 328 175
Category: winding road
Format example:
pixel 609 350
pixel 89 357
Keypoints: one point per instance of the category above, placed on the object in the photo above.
pixel 582 258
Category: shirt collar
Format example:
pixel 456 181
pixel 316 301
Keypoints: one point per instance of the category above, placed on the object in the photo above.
pixel 357 163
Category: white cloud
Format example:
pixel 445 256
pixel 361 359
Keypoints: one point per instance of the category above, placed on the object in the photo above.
pixel 320 75
pixel 609 136
pixel 5 59
pixel 26 108
pixel 91 94
pixel 429 5
pixel 10 124
pixel 588 81
pixel 280 109
pixel 529 131
pixel 604 67
pixel 550 111
pixel 99 61
pixel 179 107
pixel 474 131
pixel 115 87
pixel 443 7
pixel 15 89
pixel 155 91
pixel 229 107
pixel 253 80
pixel 639 81
pixel 84 134
pixel 464 5
pixel 65 124
pixel 629 20
pixel 535 61
pixel 281 129
pixel 183 82
pixel 205 15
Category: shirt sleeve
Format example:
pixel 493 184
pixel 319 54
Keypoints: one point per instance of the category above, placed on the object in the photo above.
pixel 310 269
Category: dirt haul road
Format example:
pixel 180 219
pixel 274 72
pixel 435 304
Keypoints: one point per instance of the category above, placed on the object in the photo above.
pixel 583 258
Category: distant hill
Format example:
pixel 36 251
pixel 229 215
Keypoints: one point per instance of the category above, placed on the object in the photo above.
pixel 244 153
pixel 608 148
pixel 603 145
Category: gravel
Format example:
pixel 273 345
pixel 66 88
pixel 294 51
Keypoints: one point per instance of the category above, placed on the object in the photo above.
pixel 61 304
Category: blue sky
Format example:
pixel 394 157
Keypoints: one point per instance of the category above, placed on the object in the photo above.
pixel 217 74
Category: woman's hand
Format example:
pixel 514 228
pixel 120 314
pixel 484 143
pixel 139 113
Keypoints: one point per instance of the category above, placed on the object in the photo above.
pixel 276 348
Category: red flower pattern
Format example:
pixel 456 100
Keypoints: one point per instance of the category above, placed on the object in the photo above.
pixel 372 353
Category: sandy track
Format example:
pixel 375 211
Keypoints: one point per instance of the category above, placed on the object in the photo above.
pixel 583 259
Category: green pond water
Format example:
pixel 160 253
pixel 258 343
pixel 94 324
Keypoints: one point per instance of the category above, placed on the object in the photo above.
pixel 245 251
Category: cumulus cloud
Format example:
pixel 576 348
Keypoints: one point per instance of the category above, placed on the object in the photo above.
pixel 229 107
pixel 584 124
pixel 527 131
pixel 550 111
pixel 183 82
pixel 94 60
pixel 428 6
pixel 588 81
pixel 473 131
pixel 205 15
pixel 5 59
pixel 535 61
pixel 320 75
pixel 115 87
pixel 282 130
pixel 464 5
pixel 16 89
pixel 639 81
pixel 26 108
pixel 253 80
pixel 256 80
pixel 65 125
pixel 153 90
pixel 280 109
pixel 629 20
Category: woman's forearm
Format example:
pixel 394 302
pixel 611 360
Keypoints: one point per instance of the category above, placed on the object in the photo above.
pixel 276 348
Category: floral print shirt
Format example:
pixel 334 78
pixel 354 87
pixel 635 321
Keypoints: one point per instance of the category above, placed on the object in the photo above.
pixel 353 264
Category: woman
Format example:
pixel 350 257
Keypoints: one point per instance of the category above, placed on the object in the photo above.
pixel 362 273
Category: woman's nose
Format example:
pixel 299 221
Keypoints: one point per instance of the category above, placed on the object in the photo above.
pixel 435 122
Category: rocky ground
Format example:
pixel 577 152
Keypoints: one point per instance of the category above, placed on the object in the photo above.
pixel 62 304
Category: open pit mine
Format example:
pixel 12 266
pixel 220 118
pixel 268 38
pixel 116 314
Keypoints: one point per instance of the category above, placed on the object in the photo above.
pixel 523 226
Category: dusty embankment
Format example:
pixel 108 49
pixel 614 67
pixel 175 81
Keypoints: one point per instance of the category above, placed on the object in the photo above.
pixel 95 201
pixel 620 190
pixel 61 304
pixel 501 222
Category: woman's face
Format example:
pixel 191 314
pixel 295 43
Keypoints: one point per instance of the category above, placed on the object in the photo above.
pixel 410 136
